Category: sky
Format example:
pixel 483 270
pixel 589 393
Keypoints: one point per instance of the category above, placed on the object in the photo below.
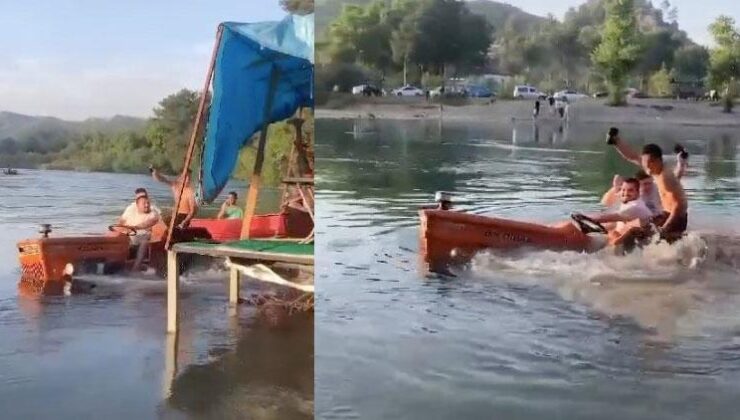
pixel 694 16
pixel 75 59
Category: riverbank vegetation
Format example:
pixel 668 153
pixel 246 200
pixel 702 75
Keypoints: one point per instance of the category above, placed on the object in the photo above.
pixel 600 46
pixel 160 141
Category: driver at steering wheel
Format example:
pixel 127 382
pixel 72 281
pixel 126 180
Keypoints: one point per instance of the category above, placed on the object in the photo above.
pixel 139 219
pixel 631 216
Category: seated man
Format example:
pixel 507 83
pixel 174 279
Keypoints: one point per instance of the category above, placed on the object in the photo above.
pixel 229 209
pixel 141 219
pixel 648 193
pixel 632 212
pixel 624 224
pixel 141 192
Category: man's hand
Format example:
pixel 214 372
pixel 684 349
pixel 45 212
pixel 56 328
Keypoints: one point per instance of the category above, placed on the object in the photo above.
pixel 680 151
pixel 612 137
pixel 617 181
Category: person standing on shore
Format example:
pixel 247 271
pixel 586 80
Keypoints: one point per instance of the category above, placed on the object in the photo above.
pixel 560 105
pixel 536 110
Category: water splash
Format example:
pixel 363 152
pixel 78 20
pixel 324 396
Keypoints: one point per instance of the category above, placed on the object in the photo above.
pixel 665 289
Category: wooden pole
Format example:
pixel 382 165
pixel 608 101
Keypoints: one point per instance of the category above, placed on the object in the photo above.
pixel 194 136
pixel 233 286
pixel 170 364
pixel 256 179
pixel 173 284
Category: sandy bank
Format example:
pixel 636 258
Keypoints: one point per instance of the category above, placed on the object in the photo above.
pixel 639 111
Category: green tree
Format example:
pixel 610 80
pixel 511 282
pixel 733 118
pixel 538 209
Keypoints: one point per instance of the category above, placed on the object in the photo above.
pixel 690 62
pixel 658 49
pixel 724 58
pixel 170 129
pixel 404 36
pixel 659 83
pixel 362 34
pixel 442 37
pixel 299 7
pixel 618 52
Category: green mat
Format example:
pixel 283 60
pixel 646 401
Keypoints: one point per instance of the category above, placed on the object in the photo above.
pixel 278 247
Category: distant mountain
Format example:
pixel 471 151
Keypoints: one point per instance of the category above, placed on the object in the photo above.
pixel 23 127
pixel 496 13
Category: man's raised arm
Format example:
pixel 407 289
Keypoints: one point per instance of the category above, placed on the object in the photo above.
pixel 627 152
pixel 159 177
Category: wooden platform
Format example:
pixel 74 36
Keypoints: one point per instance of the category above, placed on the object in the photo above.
pixel 287 251
pixel 252 251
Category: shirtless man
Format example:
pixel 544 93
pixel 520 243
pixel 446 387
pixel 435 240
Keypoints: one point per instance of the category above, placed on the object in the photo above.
pixel 672 224
pixel 188 206
pixel 648 190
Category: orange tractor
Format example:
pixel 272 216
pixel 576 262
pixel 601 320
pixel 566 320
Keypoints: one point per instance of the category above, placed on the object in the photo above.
pixel 47 263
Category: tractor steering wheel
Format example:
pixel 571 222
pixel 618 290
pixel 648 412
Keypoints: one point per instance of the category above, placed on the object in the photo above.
pixel 587 224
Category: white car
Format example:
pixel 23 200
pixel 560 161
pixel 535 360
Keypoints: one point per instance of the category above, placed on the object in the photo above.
pixel 407 90
pixel 528 92
pixel 569 94
pixel 357 90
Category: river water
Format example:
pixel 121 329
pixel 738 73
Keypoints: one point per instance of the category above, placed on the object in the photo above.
pixel 526 335
pixel 105 354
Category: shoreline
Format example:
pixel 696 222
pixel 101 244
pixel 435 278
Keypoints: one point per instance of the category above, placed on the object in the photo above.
pixel 589 110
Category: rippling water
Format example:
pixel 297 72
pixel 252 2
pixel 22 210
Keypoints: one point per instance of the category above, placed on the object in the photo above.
pixel 534 335
pixel 106 354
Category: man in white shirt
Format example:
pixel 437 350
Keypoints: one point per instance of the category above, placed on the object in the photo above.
pixel 631 215
pixel 137 222
pixel 141 192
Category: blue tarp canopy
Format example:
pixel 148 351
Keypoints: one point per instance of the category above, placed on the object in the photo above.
pixel 254 61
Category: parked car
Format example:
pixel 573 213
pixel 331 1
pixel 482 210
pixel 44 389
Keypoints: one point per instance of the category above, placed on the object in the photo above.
pixel 629 92
pixel 366 90
pixel 477 91
pixel 634 93
pixel 528 92
pixel 407 90
pixel 693 89
pixel 570 94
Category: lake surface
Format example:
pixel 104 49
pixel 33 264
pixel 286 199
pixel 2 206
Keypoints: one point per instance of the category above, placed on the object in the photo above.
pixel 105 354
pixel 532 335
